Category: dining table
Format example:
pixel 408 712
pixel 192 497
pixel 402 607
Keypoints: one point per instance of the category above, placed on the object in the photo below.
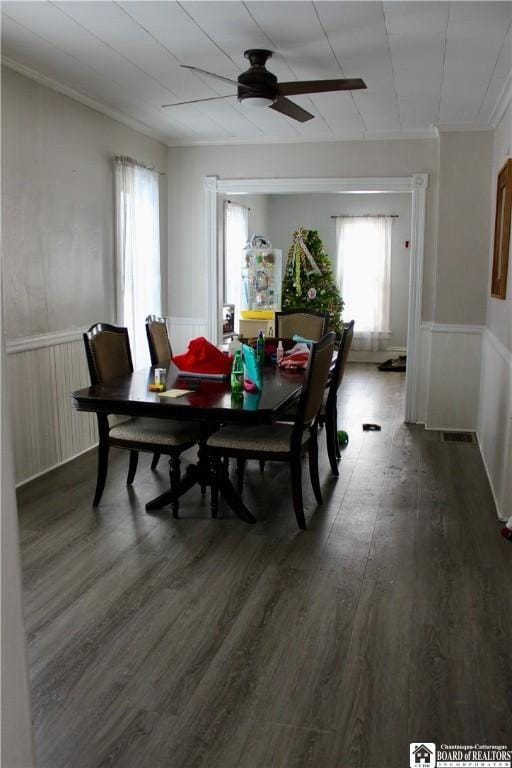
pixel 209 402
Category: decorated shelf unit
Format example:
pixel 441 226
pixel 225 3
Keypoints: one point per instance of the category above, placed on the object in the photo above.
pixel 261 280
pixel 260 290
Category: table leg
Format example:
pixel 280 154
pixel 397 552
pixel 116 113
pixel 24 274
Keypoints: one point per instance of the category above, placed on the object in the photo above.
pixel 191 477
pixel 202 474
pixel 227 489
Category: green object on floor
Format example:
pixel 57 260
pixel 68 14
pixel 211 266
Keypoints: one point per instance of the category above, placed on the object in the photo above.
pixel 342 438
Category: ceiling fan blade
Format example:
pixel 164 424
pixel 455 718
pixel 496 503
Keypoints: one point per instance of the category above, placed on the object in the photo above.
pixel 289 108
pixel 195 101
pixel 210 74
pixel 320 86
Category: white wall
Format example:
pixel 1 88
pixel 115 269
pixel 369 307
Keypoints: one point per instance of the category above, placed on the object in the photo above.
pixel 289 212
pixel 463 227
pixel 258 212
pixel 58 251
pixel 189 165
pixel 58 207
pixel 495 411
pixel 455 346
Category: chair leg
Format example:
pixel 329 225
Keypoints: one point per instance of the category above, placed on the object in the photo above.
pixel 296 477
pixel 174 477
pixel 313 468
pixel 103 450
pixel 332 438
pixel 262 465
pixel 335 430
pixel 214 486
pixel 134 460
pixel 155 460
pixel 240 467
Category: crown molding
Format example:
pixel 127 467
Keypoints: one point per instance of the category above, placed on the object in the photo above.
pixel 429 133
pixel 463 128
pixel 502 102
pixel 87 101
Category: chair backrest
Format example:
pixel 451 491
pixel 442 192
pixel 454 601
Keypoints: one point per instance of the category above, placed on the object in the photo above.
pixel 315 380
pixel 158 339
pixel 309 325
pixel 108 352
pixel 339 366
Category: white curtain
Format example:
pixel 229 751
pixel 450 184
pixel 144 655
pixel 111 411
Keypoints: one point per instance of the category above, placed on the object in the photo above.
pixel 236 232
pixel 364 277
pixel 138 290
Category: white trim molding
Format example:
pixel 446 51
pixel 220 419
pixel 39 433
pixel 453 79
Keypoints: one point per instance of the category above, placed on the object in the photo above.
pixel 416 184
pixel 418 216
pixel 25 343
pixel 452 328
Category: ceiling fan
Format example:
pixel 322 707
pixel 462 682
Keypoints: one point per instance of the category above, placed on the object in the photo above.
pixel 259 87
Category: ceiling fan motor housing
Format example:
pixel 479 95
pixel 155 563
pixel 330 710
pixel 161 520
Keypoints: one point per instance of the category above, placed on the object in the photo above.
pixel 259 81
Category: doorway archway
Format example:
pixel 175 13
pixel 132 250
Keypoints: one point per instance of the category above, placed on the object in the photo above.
pixel 416 185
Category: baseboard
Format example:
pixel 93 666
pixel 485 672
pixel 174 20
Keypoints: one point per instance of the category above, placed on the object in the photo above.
pixel 55 466
pixel 380 356
pixel 496 503
pixel 449 429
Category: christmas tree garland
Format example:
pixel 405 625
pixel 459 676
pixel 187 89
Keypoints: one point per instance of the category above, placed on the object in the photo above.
pixel 308 280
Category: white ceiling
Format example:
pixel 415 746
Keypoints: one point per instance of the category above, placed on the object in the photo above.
pixel 426 64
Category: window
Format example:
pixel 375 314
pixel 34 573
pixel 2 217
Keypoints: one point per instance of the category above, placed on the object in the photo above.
pixel 236 228
pixel 364 276
pixel 138 291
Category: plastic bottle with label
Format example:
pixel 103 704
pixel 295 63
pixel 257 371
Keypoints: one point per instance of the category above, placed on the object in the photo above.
pixel 260 349
pixel 279 352
pixel 237 373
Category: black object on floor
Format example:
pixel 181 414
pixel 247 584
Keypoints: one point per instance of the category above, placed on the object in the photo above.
pixel 371 428
pixel 394 364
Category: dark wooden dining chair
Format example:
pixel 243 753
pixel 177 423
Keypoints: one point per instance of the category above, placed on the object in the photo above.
pixel 160 349
pixel 309 325
pixel 108 356
pixel 329 409
pixel 282 441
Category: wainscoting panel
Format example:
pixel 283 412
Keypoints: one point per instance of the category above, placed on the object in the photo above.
pixel 454 383
pixel 46 429
pixel 495 421
pixel 183 329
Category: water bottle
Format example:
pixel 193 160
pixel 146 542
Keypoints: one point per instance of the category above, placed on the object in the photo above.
pixel 237 373
pixel 260 349
pixel 279 352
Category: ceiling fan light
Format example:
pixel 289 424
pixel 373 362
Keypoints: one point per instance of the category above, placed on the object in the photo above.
pixel 257 101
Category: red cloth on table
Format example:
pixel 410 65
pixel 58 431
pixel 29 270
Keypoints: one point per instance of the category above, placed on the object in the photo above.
pixel 297 360
pixel 203 357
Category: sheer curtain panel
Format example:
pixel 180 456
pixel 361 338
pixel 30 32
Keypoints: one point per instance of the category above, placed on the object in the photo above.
pixel 236 228
pixel 138 290
pixel 364 277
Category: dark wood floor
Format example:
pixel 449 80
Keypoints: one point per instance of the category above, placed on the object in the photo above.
pixel 161 643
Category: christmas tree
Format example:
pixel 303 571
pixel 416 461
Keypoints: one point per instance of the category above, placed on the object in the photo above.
pixel 308 281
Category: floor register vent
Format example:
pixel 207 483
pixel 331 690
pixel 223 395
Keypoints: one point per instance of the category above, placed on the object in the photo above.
pixel 458 437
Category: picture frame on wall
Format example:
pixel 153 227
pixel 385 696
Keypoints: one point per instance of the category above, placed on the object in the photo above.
pixel 502 232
